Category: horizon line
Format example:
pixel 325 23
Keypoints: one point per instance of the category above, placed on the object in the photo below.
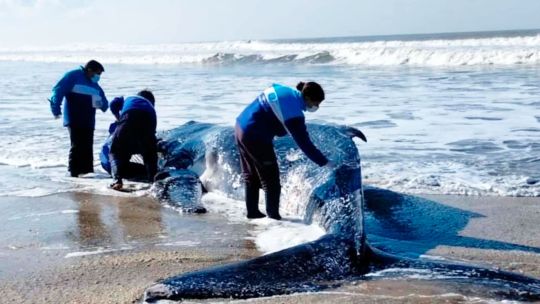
pixel 375 37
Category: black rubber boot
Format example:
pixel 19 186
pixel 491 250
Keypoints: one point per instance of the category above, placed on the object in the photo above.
pixel 272 202
pixel 252 202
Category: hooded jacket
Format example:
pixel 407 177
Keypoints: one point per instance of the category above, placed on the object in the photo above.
pixel 82 98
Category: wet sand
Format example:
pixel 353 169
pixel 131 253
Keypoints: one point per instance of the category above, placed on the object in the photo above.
pixel 84 248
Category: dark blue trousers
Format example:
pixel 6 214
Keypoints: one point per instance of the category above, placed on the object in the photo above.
pixel 259 170
pixel 81 153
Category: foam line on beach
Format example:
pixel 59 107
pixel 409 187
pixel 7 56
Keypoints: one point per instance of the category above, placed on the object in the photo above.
pixel 281 235
pixel 94 252
pixel 179 244
pixel 44 214
pixel 413 273
pixel 269 235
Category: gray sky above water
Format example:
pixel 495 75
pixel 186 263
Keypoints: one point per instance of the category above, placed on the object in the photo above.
pixel 51 22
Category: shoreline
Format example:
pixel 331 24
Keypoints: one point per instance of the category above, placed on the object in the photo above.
pixel 142 242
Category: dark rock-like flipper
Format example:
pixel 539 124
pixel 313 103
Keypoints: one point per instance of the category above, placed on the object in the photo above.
pixel 181 189
pixel 307 267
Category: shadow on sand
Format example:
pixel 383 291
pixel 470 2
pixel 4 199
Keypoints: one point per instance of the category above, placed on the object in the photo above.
pixel 410 226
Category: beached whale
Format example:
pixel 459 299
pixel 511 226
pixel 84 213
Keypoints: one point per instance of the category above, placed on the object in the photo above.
pixel 331 197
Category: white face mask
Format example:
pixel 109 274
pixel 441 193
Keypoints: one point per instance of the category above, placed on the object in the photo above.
pixel 312 109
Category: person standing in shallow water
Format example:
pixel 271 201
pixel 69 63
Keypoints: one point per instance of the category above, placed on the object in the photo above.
pixel 83 96
pixel 275 112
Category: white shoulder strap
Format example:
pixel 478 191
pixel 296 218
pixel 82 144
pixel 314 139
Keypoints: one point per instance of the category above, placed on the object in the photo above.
pixel 273 101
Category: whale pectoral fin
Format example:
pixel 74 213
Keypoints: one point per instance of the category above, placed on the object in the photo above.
pixel 354 132
pixel 307 267
pixel 180 189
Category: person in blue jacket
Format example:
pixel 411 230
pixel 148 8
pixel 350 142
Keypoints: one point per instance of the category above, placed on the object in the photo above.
pixel 135 170
pixel 83 96
pixel 275 112
pixel 135 133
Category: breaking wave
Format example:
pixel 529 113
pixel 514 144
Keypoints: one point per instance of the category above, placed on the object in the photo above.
pixel 421 52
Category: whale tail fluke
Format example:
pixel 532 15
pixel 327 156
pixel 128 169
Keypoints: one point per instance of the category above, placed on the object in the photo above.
pixel 503 284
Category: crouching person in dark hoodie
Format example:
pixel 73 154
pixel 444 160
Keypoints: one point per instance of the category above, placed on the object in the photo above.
pixel 135 133
pixel 135 170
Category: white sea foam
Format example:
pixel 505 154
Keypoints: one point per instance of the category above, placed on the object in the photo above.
pixel 93 252
pixel 35 215
pixel 366 296
pixel 412 273
pixel 433 257
pixel 444 130
pixel 269 235
pixel 179 244
pixel 460 180
pixel 285 235
pixel 435 52
pixel 234 210
pixel 54 247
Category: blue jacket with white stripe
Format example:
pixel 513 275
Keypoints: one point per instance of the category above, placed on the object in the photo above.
pixel 82 98
pixel 276 112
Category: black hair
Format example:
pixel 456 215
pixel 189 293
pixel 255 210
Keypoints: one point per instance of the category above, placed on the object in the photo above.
pixel 148 95
pixel 311 90
pixel 94 66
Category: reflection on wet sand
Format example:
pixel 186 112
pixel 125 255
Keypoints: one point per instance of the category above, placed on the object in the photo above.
pixel 91 231
pixel 140 219
pixel 99 216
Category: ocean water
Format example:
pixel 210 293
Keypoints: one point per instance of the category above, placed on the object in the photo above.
pixel 443 114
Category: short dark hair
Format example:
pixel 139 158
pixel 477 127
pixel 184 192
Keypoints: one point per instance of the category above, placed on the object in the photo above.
pixel 311 90
pixel 94 66
pixel 148 95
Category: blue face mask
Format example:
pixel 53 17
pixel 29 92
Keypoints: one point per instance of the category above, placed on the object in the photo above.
pixel 95 78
